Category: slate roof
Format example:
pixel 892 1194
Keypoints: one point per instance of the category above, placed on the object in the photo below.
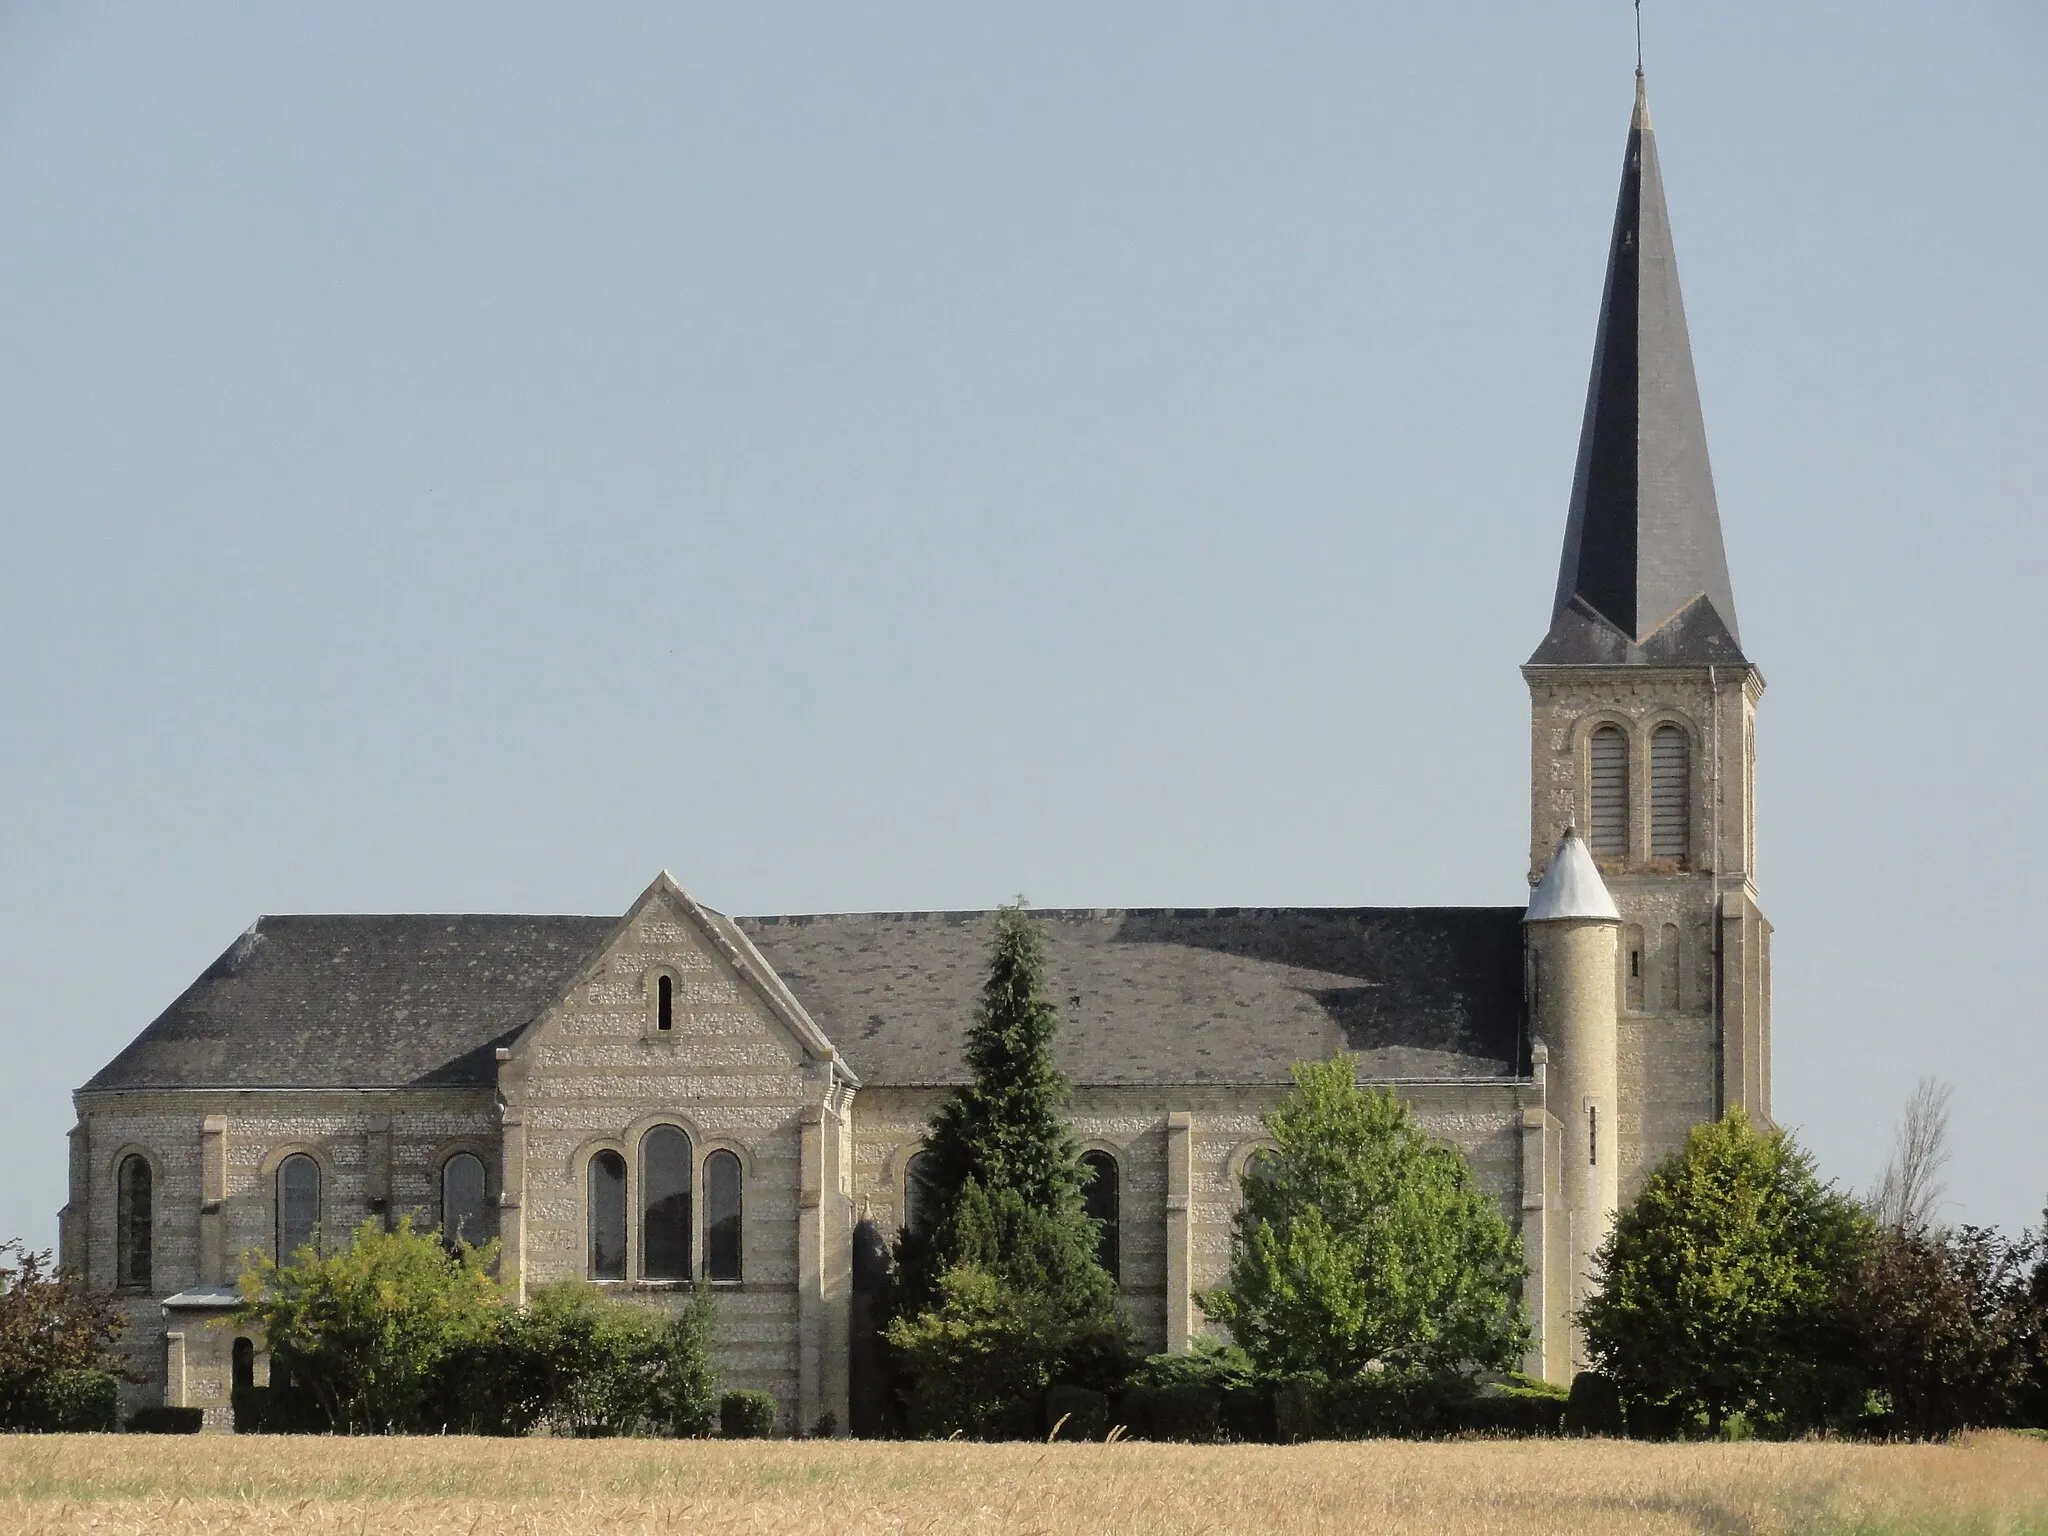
pixel 1230 995
pixel 1159 996
pixel 359 1002
pixel 1644 575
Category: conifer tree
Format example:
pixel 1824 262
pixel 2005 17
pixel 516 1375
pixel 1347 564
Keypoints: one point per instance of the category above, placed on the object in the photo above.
pixel 1005 1132
pixel 998 1291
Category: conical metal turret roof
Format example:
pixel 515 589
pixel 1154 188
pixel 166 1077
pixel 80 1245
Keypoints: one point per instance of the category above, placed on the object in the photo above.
pixel 1571 887
pixel 1644 577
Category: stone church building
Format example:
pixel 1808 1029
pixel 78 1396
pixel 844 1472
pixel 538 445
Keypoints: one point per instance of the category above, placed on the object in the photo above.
pixel 673 1094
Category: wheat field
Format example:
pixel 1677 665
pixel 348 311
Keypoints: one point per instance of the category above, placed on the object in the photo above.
pixel 184 1486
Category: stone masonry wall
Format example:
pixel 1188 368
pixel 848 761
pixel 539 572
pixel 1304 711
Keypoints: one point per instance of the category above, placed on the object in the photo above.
pixel 597 1074
pixel 379 1152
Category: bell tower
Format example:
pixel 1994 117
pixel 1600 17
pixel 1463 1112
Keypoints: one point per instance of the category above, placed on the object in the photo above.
pixel 1643 708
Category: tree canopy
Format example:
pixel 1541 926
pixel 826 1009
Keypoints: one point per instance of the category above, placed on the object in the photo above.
pixel 1364 1243
pixel 1722 1286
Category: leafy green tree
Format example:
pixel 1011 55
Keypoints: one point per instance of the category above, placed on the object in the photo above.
pixel 1001 1265
pixel 1723 1287
pixel 367 1331
pixel 1364 1244
pixel 51 1327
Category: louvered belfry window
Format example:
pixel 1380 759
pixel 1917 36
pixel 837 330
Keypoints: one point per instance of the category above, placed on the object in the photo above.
pixel 1610 792
pixel 1670 793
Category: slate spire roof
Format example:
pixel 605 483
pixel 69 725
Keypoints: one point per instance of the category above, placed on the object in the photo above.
pixel 1644 578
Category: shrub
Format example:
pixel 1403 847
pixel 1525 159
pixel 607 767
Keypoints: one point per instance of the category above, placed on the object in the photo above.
pixel 1523 1407
pixel 77 1401
pixel 1594 1407
pixel 747 1415
pixel 980 1360
pixel 395 1334
pixel 1076 1413
pixel 251 1408
pixel 366 1331
pixel 590 1366
pixel 1205 1394
pixel 166 1421
pixel 48 1323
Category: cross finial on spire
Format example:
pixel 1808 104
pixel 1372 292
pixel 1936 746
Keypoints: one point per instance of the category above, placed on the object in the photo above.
pixel 1639 46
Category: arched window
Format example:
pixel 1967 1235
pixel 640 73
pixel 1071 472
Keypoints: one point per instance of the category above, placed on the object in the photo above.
pixel 463 1214
pixel 607 1216
pixel 1670 794
pixel 1608 756
pixel 1262 1167
pixel 1633 962
pixel 243 1365
pixel 721 1216
pixel 917 1191
pixel 298 1205
pixel 665 1158
pixel 664 1002
pixel 134 1228
pixel 1102 1198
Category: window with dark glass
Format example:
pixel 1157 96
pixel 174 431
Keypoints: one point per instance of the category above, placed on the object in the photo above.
pixel 1101 1198
pixel 916 1191
pixel 298 1205
pixel 133 1220
pixel 463 1213
pixel 722 1198
pixel 607 1200
pixel 1262 1167
pixel 665 1157
pixel 664 1003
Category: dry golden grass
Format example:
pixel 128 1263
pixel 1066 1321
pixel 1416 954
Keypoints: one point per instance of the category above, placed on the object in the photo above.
pixel 182 1487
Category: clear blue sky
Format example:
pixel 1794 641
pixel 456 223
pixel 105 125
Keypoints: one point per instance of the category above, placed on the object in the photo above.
pixel 472 457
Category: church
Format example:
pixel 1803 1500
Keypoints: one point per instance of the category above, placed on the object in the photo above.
pixel 672 1095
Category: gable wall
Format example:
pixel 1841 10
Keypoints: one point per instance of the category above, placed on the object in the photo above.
pixel 595 1074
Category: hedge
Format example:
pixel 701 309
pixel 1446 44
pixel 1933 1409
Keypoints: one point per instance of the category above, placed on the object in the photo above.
pixel 166 1421
pixel 746 1415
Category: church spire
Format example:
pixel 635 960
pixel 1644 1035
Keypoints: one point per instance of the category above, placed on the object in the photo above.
pixel 1644 578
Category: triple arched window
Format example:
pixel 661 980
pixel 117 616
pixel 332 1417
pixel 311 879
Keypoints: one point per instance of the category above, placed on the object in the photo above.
pixel 134 1221
pixel 667 1196
pixel 298 1206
